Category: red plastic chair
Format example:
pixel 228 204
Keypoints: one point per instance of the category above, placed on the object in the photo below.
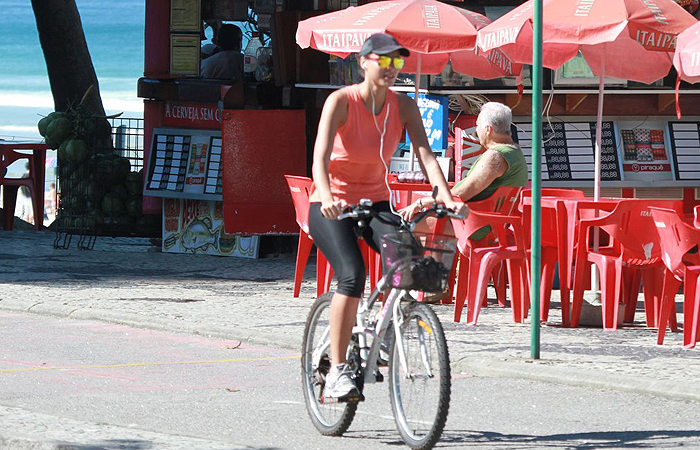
pixel 502 201
pixel 634 244
pixel 479 259
pixel 696 222
pixel 300 188
pixel 34 182
pixel 549 253
pixel 677 238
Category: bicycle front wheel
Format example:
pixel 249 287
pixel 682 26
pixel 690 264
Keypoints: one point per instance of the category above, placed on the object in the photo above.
pixel 420 391
pixel 330 419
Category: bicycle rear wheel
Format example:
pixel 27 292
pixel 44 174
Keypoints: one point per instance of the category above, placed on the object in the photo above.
pixel 330 419
pixel 420 398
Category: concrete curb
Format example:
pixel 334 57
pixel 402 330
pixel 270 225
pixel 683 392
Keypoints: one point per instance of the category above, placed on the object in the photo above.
pixel 542 370
pixel 139 321
pixel 545 371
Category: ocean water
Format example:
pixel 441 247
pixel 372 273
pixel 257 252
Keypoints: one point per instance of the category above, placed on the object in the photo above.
pixel 115 37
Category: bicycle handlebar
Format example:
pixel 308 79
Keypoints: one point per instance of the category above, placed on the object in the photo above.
pixel 363 210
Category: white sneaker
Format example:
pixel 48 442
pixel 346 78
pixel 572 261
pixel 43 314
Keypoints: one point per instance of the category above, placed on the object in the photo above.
pixel 340 385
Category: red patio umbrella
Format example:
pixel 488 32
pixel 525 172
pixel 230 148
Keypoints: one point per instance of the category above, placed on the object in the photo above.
pixel 633 39
pixel 630 39
pixel 433 31
pixel 687 58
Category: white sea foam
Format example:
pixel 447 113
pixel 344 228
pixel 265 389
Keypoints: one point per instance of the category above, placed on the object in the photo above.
pixel 17 129
pixel 113 101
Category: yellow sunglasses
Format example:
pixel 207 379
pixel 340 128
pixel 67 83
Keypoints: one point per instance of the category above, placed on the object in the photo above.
pixel 385 61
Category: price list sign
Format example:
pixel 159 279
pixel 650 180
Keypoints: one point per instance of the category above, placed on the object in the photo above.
pixel 170 163
pixel 685 141
pixel 569 150
pixel 213 179
pixel 185 164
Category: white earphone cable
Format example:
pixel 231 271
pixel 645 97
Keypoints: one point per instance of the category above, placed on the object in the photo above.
pixel 381 145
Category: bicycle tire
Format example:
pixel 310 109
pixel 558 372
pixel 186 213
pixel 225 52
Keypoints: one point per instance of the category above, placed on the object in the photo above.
pixel 420 403
pixel 332 419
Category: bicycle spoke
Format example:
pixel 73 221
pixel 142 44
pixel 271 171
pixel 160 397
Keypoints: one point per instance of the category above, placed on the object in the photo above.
pixel 420 394
pixel 330 418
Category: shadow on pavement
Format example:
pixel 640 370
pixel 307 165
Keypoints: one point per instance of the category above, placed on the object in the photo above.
pixel 592 440
pixel 130 444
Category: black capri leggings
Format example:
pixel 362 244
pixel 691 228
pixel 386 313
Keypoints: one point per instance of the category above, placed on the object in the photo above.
pixel 337 240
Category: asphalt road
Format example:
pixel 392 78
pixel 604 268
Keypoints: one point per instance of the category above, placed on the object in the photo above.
pixel 129 388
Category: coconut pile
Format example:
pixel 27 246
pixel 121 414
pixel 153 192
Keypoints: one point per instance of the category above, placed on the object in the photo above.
pixel 97 185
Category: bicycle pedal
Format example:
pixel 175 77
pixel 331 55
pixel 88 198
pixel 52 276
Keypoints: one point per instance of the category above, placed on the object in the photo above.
pixel 353 397
pixel 379 377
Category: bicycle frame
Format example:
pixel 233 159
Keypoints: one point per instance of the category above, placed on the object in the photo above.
pixel 391 310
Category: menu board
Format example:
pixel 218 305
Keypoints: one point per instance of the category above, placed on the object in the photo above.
pixel 185 163
pixel 685 142
pixel 184 15
pixel 568 150
pixel 184 54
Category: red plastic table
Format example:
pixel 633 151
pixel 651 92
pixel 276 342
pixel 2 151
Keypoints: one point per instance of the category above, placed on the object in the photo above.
pixel 565 211
pixel 409 188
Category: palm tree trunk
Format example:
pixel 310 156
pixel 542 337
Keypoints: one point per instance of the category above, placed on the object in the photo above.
pixel 68 60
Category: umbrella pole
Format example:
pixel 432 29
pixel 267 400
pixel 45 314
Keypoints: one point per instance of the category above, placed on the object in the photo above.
pixel 412 156
pixel 598 131
pixel 536 181
pixel 595 279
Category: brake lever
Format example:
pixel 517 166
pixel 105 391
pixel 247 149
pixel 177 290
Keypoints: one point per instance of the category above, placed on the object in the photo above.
pixel 346 215
pixel 441 211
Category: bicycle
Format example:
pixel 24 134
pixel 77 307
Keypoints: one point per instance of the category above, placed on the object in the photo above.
pixel 418 358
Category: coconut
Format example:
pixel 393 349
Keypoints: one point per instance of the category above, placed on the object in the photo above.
pixel 104 172
pixel 50 143
pixel 43 124
pixel 95 191
pixel 58 130
pixel 120 191
pixel 76 151
pixel 122 168
pixel 112 205
pixel 55 115
pixel 62 157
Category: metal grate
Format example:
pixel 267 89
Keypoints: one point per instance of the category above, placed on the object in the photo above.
pixel 101 193
pixel 605 192
pixel 127 137
pixel 670 193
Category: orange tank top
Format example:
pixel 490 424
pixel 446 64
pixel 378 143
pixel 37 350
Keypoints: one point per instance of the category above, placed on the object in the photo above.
pixel 356 170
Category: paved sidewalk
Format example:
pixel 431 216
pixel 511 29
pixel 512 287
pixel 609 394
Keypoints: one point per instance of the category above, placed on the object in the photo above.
pixel 128 281
pixel 25 430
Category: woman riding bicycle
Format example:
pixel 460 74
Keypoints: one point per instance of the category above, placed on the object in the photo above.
pixel 359 130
